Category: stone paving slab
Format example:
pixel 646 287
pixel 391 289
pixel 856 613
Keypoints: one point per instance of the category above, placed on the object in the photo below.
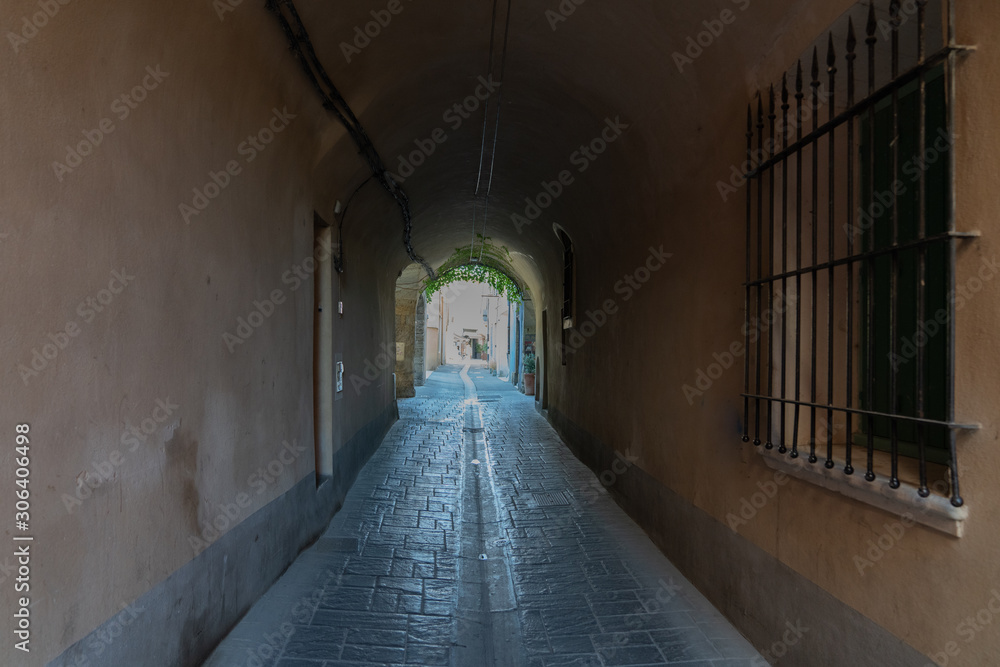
pixel 474 537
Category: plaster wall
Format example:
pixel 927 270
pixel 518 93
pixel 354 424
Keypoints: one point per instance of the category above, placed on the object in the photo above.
pixel 923 589
pixel 180 402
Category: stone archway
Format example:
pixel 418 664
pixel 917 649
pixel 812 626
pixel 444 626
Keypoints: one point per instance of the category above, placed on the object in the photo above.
pixel 410 314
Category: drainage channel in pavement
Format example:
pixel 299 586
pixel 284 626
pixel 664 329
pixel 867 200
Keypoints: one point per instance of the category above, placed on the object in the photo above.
pixel 489 632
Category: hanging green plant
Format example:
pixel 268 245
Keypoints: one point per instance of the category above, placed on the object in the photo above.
pixel 476 273
pixel 490 265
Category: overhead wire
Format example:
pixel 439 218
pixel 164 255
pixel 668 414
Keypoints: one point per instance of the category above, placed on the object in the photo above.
pixel 496 130
pixel 486 107
pixel 503 69
pixel 486 121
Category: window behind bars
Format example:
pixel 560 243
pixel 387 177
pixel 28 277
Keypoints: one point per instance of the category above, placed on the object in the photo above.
pixel 850 252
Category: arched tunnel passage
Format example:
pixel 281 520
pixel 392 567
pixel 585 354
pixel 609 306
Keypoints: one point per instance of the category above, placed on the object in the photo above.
pixel 210 210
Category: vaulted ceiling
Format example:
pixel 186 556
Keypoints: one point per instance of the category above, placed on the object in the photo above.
pixel 572 72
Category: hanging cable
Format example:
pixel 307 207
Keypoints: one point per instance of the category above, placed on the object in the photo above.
pixel 486 107
pixel 496 130
pixel 472 248
pixel 338 259
pixel 302 48
pixel 486 121
pixel 503 69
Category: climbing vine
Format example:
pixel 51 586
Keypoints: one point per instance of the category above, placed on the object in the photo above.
pixel 490 265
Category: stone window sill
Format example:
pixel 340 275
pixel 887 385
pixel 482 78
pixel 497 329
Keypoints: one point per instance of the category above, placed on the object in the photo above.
pixel 935 511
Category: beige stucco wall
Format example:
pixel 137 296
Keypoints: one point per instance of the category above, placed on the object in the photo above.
pixel 160 337
pixel 925 587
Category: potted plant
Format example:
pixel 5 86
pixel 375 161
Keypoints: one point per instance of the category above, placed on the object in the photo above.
pixel 529 374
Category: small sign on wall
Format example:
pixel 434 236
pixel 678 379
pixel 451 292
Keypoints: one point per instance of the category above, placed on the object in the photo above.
pixel 400 351
pixel 338 378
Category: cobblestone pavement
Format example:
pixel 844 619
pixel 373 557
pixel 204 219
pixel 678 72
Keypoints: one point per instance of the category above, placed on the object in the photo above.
pixel 474 537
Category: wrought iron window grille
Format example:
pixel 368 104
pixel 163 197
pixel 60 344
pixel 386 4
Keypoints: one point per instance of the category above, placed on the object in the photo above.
pixel 852 222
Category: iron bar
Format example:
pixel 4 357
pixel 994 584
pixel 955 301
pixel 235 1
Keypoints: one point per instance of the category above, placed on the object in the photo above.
pixel 760 223
pixel 921 250
pixel 869 266
pixel 770 292
pixel 874 413
pixel 746 309
pixel 956 496
pixel 799 97
pixel 814 305
pixel 894 274
pixel 831 68
pixel 943 237
pixel 873 98
pixel 784 255
pixel 850 57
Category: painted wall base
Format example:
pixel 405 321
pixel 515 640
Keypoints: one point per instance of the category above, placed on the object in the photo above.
pixel 755 591
pixel 181 620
